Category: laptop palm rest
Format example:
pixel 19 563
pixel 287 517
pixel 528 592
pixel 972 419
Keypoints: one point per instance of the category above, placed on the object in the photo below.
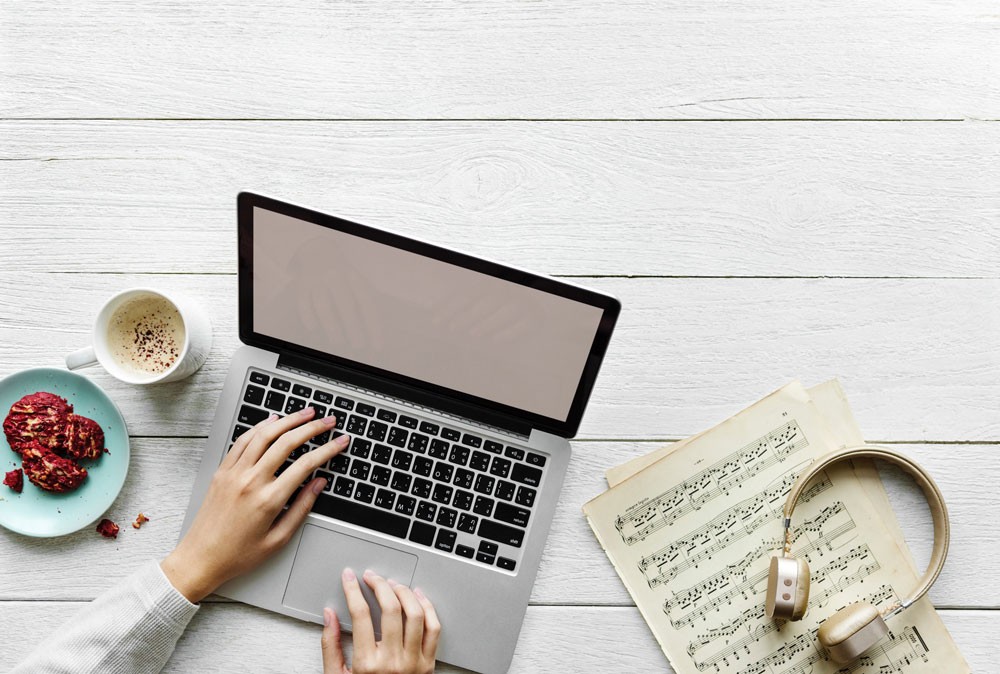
pixel 321 557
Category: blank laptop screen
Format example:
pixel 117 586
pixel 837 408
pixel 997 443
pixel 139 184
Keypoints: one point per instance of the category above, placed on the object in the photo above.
pixel 416 316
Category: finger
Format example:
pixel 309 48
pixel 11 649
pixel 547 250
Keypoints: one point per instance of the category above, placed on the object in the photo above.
pixel 361 616
pixel 392 612
pixel 263 439
pixel 333 653
pixel 236 451
pixel 413 618
pixel 289 522
pixel 279 450
pixel 303 467
pixel 432 626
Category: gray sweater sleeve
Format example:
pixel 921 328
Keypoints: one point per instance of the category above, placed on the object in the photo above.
pixel 130 629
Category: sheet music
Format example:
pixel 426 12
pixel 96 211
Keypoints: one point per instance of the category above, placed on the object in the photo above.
pixel 691 531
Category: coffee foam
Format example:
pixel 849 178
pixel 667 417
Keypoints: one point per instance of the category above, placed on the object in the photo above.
pixel 146 335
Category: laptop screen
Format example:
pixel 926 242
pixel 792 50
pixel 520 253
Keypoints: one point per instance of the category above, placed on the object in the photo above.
pixel 427 319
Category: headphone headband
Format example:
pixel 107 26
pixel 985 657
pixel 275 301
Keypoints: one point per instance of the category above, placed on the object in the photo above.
pixel 939 512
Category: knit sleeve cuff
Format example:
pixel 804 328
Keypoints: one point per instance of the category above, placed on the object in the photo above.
pixel 162 598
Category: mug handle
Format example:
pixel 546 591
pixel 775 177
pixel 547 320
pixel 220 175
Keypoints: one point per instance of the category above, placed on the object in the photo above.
pixel 81 358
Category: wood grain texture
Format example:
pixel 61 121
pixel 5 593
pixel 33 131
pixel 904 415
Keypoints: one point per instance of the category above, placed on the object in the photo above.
pixel 495 59
pixel 224 638
pixel 713 199
pixel 574 569
pixel 918 358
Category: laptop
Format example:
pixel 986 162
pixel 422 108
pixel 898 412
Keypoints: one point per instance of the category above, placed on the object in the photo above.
pixel 459 381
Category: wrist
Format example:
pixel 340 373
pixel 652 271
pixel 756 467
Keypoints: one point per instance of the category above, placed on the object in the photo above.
pixel 187 577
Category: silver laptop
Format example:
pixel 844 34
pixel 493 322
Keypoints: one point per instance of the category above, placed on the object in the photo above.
pixel 459 381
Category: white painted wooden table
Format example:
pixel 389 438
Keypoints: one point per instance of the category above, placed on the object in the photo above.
pixel 774 189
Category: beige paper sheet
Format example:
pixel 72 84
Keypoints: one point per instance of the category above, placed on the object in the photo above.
pixel 692 533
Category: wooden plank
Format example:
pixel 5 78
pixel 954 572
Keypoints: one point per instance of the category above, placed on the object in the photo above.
pixel 554 640
pixel 757 199
pixel 918 358
pixel 574 569
pixel 269 59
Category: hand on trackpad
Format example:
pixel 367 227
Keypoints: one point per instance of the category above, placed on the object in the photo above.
pixel 319 560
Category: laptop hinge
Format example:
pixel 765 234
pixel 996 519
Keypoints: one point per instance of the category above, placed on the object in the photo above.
pixel 463 411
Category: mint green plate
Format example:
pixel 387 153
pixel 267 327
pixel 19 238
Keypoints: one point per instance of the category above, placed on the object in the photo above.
pixel 35 512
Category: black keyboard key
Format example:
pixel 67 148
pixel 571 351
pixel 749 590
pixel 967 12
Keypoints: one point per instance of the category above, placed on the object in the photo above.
pixel 259 378
pixel 446 517
pixel 323 397
pixel 450 434
pixel 356 425
pixel 330 477
pixel 283 467
pixel 239 430
pixel 365 493
pixel 361 447
pixel 484 558
pixel 421 488
pixel 506 564
pixel 463 478
pixel 445 540
pixel 422 533
pixel 459 455
pixel 294 405
pixel 468 523
pixel 525 497
pixel 360 469
pixel 377 431
pixel 463 500
pixel 365 409
pixel 405 504
pixel 401 459
pixel 397 436
pixel 320 410
pixel 465 551
pixel 484 484
pixel 512 515
pixel 514 453
pixel 505 490
pixel 472 440
pixel 382 454
pixel 423 466
pixel 354 513
pixel 418 443
pixel 381 476
pixel 344 403
pixel 484 506
pixel 500 467
pixel 439 449
pixel 387 415
pixel 251 415
pixel 528 475
pixel 494 447
pixel 501 533
pixel 488 548
pixel 385 499
pixel 536 459
pixel 322 438
pixel 298 451
pixel 339 463
pixel 443 472
pixel 442 493
pixel 409 422
pixel 254 395
pixel 426 511
pixel 301 390
pixel 479 461
pixel 429 428
pixel 344 487
pixel 281 384
pixel 400 481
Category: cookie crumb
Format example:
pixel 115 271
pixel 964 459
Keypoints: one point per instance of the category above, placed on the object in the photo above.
pixel 107 528
pixel 139 521
pixel 14 479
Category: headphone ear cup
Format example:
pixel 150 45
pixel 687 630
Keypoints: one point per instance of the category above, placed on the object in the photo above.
pixel 787 588
pixel 851 631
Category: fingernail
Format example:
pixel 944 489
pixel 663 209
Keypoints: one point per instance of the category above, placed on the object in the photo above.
pixel 272 417
pixel 307 411
pixel 330 420
pixel 319 486
pixel 327 617
pixel 369 573
pixel 349 574
pixel 392 583
pixel 343 440
pixel 417 591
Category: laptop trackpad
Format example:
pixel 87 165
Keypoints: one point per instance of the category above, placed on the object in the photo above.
pixel 322 556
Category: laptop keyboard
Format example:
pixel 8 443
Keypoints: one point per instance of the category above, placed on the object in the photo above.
pixel 460 493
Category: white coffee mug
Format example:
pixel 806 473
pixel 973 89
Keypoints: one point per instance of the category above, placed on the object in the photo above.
pixel 197 340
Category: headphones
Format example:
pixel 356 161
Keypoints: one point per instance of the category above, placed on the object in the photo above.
pixel 856 628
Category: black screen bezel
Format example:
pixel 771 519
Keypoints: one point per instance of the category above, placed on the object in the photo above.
pixel 465 404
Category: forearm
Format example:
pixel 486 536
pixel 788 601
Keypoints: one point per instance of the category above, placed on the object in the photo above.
pixel 130 629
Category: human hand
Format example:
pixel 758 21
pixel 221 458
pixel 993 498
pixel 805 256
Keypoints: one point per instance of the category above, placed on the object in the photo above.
pixel 410 630
pixel 240 523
